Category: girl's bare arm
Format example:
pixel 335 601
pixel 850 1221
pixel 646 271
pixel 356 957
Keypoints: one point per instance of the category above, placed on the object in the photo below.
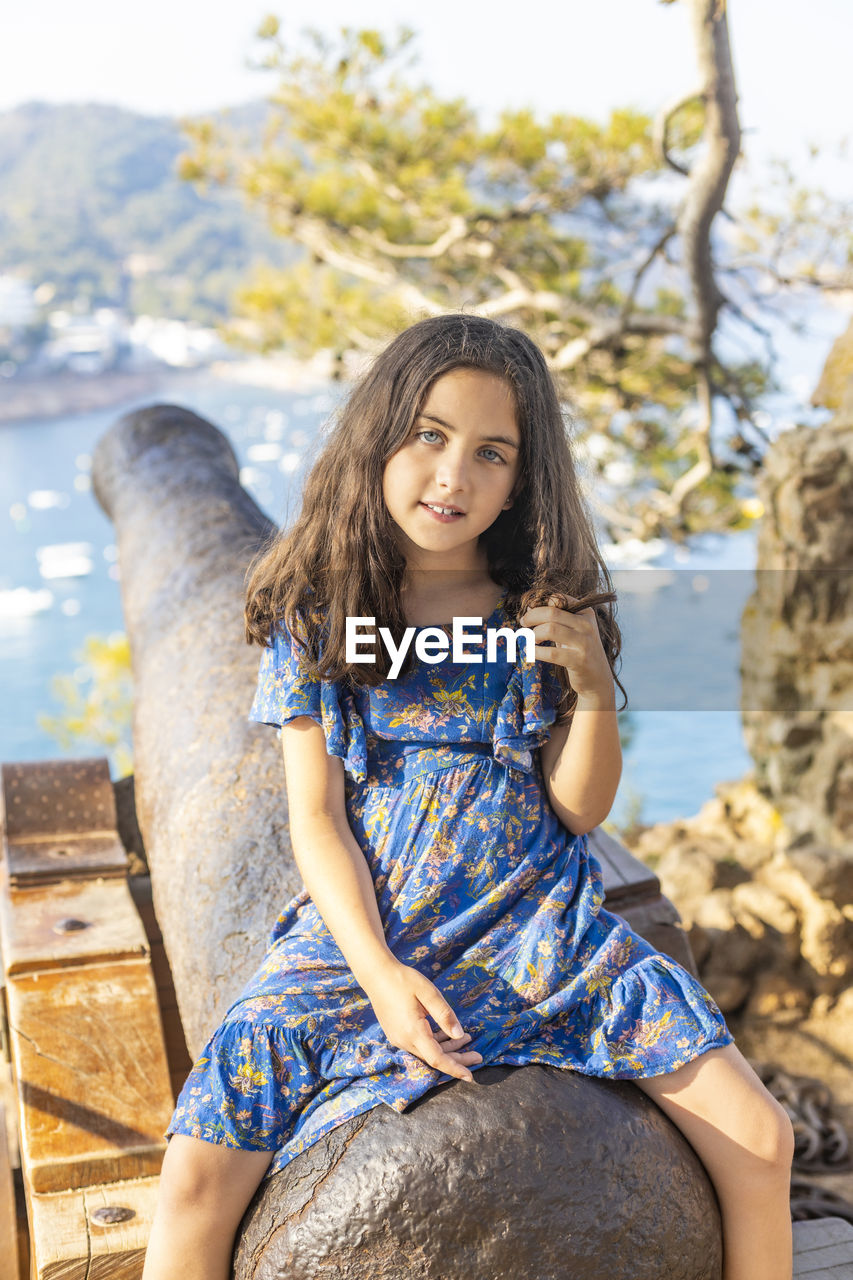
pixel 330 861
pixel 582 763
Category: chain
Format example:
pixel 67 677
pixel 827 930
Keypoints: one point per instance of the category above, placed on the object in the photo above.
pixel 821 1145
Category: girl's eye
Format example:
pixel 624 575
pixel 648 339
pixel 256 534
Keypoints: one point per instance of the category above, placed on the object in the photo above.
pixel 430 431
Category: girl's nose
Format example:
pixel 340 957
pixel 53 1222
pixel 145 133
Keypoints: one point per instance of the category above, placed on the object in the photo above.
pixel 452 472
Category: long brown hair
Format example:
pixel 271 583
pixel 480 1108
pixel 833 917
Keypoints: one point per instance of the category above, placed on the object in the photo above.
pixel 340 558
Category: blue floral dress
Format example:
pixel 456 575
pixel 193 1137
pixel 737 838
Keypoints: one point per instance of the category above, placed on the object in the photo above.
pixel 479 886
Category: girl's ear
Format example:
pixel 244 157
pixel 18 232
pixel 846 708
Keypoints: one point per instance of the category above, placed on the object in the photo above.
pixel 516 489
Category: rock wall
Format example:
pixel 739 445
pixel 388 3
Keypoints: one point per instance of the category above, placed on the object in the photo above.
pixel 763 875
pixel 766 944
pixel 797 636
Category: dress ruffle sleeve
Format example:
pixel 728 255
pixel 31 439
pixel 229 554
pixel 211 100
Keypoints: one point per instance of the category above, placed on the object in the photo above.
pixel 525 714
pixel 285 691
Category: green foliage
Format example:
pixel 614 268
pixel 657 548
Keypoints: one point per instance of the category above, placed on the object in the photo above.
pixel 686 125
pixel 268 28
pixel 96 709
pixel 83 188
pixel 313 298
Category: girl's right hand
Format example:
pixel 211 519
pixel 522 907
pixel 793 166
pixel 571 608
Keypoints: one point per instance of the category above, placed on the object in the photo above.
pixel 402 998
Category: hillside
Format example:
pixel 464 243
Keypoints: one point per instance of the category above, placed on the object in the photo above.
pixel 90 201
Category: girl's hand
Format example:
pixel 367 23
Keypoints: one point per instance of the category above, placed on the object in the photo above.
pixel 401 998
pixel 576 646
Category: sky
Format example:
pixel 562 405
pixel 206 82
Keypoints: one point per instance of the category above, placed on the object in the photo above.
pixel 175 57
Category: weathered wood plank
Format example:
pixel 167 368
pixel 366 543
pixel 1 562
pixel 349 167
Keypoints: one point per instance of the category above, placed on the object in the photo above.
pixel 5 1049
pixel 836 1260
pixel 40 925
pixel 177 1054
pixel 816 1270
pixel 140 888
pixel 658 922
pixel 10 1252
pixel 843 1272
pixel 180 1063
pixel 70 1243
pixel 624 875
pixel 9 1096
pixel 816 1233
pixel 93 1079
pixel 823 1249
pixel 633 892
pixel 60 820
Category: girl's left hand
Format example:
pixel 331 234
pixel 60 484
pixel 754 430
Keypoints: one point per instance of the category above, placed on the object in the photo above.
pixel 576 646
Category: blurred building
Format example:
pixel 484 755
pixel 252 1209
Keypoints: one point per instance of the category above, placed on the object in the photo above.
pixel 18 307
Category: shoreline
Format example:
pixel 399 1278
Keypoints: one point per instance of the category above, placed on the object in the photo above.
pixel 62 395
pixel 66 394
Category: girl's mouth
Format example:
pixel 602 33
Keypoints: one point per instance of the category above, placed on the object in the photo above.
pixel 444 515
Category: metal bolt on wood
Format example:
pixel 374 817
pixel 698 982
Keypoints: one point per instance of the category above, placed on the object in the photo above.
pixel 110 1214
pixel 70 925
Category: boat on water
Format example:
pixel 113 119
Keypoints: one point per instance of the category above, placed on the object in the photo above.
pixel 21 602
pixel 65 559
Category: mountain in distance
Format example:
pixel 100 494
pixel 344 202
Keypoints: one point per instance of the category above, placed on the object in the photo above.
pixel 91 203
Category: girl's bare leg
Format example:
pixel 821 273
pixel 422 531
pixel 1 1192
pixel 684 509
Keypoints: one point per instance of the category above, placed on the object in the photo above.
pixel 744 1138
pixel 204 1191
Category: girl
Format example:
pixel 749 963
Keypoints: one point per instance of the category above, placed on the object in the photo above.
pixel 452 913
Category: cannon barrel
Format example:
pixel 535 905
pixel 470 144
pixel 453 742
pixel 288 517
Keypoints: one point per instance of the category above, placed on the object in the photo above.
pixel 209 784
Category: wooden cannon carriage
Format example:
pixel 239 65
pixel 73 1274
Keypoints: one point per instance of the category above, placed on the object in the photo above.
pixel 92 1043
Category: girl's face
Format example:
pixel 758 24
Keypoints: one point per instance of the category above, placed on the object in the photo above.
pixel 463 452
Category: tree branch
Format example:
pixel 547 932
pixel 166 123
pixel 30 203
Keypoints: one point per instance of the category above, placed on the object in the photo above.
pixel 657 248
pixel 457 231
pixel 706 191
pixel 660 129
pixel 309 233
pixel 710 175
pixel 389 189
pixel 604 334
pixel 684 484
pixel 633 525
